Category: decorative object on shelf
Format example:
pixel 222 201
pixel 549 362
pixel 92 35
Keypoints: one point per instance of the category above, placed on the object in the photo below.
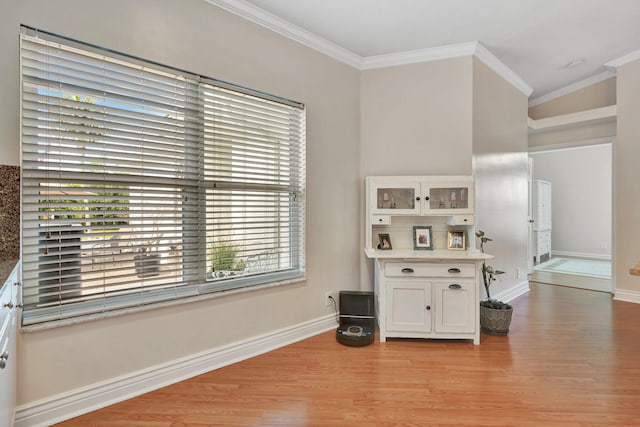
pixel 495 316
pixel 456 240
pixel 385 241
pixel 422 237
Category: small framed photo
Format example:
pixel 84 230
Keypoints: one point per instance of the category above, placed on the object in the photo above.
pixel 456 241
pixel 385 241
pixel 422 237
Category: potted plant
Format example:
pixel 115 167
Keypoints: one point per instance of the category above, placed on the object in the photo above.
pixel 147 260
pixel 495 316
pixel 224 259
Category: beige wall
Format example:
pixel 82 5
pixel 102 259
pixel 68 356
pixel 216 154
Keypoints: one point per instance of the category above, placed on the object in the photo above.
pixel 500 170
pixel 626 179
pixel 198 37
pixel 416 119
pixel 597 95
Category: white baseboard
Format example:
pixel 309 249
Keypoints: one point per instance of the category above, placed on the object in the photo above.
pixel 99 395
pixel 582 255
pixel 627 296
pixel 513 292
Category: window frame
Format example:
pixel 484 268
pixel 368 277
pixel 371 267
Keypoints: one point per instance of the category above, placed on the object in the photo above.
pixel 35 317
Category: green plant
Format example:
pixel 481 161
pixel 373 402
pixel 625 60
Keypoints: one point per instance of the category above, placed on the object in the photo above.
pixel 489 275
pixel 224 256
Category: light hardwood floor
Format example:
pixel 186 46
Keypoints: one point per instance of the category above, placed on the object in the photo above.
pixel 572 358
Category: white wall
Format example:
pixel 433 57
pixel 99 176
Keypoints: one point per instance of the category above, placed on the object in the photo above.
pixel 581 181
pixel 626 181
pixel 196 36
pixel 500 170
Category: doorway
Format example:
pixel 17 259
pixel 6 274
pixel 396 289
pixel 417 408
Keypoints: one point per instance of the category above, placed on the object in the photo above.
pixel 581 223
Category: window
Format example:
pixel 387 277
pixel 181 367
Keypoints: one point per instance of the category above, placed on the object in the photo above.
pixel 143 184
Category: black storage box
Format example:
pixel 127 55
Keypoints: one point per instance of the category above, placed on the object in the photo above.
pixel 357 318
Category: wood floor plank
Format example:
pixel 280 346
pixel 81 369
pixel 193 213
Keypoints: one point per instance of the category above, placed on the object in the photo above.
pixel 571 359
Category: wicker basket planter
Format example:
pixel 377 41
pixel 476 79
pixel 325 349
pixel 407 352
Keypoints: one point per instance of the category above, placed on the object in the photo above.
pixel 495 321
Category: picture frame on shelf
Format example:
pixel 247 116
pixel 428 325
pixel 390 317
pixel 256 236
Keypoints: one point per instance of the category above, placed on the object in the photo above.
pixel 456 240
pixel 384 242
pixel 422 237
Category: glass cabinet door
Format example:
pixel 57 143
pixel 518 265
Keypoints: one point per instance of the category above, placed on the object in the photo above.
pixel 395 198
pixel 449 199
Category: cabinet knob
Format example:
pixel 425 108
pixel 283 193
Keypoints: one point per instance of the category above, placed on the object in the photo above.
pixel 454 270
pixel 418 198
pixel 4 356
pixel 8 305
pixel 407 270
pixel 2 364
pixel 428 307
pixel 426 197
pixel 454 286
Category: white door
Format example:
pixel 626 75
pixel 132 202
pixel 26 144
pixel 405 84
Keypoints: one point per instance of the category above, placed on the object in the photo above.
pixel 455 304
pixel 408 306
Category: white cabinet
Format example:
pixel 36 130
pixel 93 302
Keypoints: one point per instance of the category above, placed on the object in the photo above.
pixel 541 219
pixel 423 293
pixel 421 195
pixel 428 299
pixel 8 356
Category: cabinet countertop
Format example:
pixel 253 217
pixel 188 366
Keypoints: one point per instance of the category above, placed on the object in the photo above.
pixel 420 255
pixel 6 268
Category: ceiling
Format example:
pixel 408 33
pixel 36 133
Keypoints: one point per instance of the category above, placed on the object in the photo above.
pixel 536 39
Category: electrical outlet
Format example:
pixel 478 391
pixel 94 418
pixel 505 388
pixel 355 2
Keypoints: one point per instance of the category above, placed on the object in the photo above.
pixel 327 299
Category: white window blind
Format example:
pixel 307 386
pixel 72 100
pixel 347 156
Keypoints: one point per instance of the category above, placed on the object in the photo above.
pixel 143 184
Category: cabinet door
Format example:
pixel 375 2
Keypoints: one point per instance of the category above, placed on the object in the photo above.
pixel 409 306
pixel 542 205
pixel 455 304
pixel 395 196
pixel 8 370
pixel 450 198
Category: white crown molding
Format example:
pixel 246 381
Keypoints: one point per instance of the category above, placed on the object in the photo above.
pixel 267 20
pixel 572 88
pixel 419 55
pixel 99 395
pixel 491 61
pixel 623 60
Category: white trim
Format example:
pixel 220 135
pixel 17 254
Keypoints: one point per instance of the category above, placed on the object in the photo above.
pixel 627 296
pixel 268 20
pixel 419 55
pixel 573 145
pixel 623 60
pixel 570 254
pixel 572 88
pixel 491 61
pixel 99 395
pixel 608 112
pixel 278 25
pixel 513 292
